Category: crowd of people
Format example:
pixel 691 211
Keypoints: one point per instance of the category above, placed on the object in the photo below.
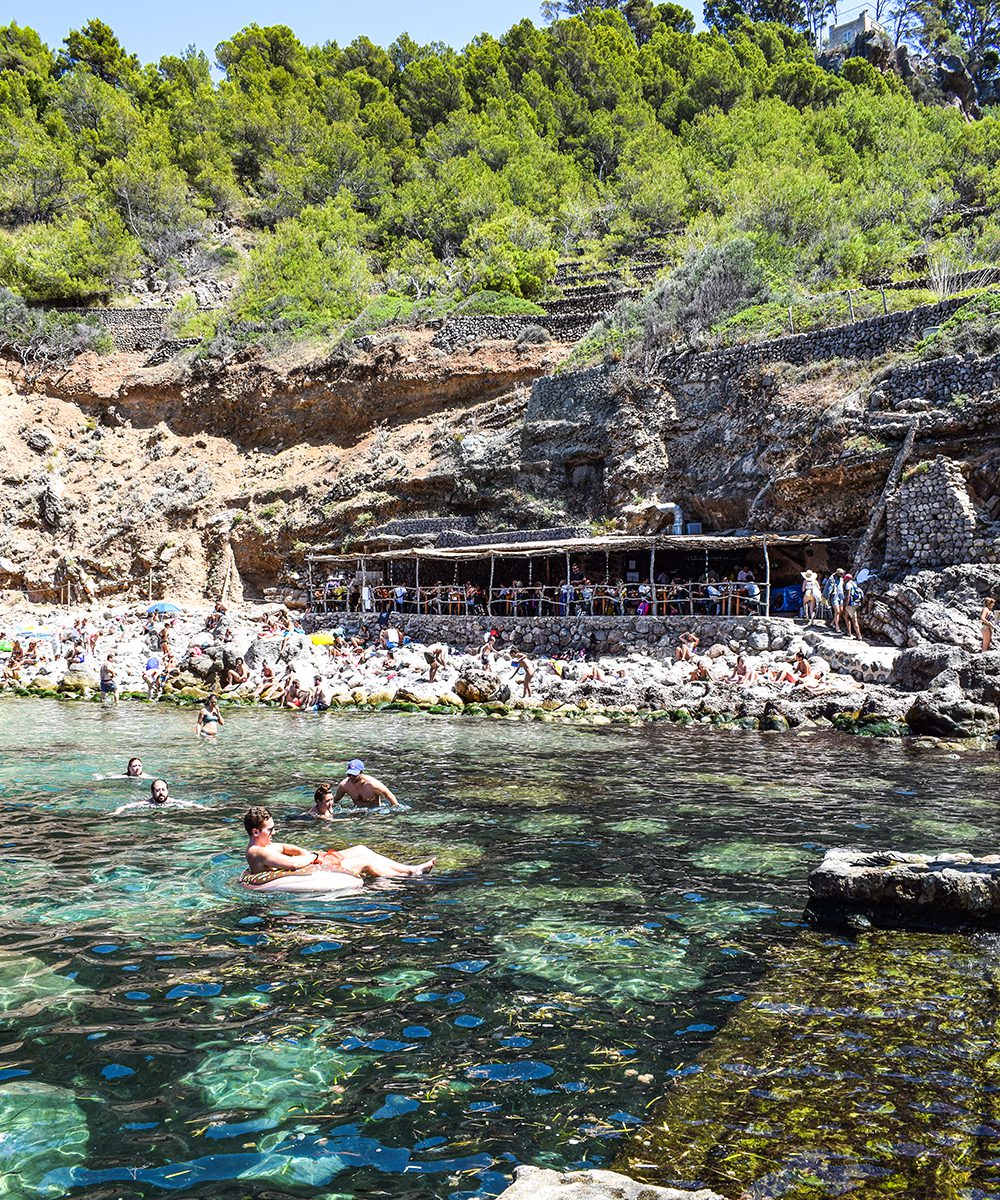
pixel 733 594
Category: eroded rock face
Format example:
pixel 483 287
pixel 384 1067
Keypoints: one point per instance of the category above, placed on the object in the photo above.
pixel 536 1183
pixel 887 888
pixel 917 667
pixel 948 713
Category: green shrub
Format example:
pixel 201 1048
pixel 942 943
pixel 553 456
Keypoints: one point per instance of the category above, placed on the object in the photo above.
pixel 489 303
pixel 46 336
pixel 972 329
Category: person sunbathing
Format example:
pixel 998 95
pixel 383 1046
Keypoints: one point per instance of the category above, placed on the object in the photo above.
pixel 264 854
pixel 743 672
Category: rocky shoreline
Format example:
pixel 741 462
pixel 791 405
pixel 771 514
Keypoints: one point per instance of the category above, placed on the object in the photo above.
pixel 928 694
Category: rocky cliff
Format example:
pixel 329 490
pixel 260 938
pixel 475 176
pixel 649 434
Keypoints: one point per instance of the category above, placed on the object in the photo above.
pixel 137 471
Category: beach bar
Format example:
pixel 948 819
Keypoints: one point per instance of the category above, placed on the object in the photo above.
pixel 623 575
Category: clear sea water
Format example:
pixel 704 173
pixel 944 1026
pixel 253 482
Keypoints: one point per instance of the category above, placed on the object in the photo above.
pixel 605 901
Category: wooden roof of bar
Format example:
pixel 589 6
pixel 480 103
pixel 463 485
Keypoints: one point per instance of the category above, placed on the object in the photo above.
pixel 610 543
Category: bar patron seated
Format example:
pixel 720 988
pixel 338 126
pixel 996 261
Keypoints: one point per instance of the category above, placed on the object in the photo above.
pixel 738 574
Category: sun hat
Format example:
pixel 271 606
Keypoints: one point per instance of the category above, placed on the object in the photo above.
pixel 809 576
pixel 355 766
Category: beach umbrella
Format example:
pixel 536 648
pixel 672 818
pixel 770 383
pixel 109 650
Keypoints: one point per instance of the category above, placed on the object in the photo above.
pixel 163 606
pixel 323 639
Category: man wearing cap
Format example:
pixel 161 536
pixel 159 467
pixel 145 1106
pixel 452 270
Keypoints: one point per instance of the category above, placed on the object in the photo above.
pixel 364 790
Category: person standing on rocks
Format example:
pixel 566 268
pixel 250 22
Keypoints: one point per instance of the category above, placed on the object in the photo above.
pixel 522 663
pixel 853 596
pixel 837 599
pixel 989 622
pixel 109 681
pixel 811 596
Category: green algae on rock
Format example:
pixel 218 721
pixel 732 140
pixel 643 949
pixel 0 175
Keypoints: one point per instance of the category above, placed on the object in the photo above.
pixel 866 1068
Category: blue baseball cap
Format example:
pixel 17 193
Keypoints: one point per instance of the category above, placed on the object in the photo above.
pixel 355 766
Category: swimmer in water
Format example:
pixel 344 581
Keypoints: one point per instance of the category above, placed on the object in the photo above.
pixel 133 769
pixel 264 854
pixel 159 797
pixel 364 790
pixel 210 719
pixel 322 809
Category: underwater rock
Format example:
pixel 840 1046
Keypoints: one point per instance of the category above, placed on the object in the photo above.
pixel 918 891
pixel 539 1183
pixel 43 1133
pixel 859 1066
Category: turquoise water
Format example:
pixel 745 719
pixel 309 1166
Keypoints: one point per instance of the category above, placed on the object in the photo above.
pixel 604 900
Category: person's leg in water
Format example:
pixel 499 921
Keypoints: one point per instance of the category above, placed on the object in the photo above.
pixel 361 861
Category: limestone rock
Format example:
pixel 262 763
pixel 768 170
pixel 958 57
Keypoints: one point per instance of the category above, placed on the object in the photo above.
pixel 913 890
pixel 947 713
pixel 79 681
pixel 477 685
pixel 538 1183
pixel 918 666
pixel 979 677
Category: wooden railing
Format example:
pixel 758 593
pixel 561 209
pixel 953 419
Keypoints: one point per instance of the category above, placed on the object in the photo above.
pixel 730 599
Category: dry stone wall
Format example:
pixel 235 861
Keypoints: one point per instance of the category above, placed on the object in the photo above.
pixel 131 329
pixel 937 381
pixel 594 636
pixel 932 521
pixel 461 331
pixel 863 339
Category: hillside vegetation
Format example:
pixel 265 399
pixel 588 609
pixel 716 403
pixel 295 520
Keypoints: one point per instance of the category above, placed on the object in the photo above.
pixel 357 176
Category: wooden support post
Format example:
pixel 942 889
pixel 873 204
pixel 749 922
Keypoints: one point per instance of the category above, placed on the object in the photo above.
pixel 850 301
pixel 885 306
pixel 417 580
pixel 791 320
pixel 652 575
pixel 767 580
pixel 312 582
pixel 149 587
pixel 489 594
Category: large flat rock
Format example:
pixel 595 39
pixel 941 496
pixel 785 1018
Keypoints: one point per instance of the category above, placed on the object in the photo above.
pixel 950 890
pixel 537 1183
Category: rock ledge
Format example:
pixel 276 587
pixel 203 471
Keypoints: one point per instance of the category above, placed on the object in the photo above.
pixel 950 890
pixel 537 1183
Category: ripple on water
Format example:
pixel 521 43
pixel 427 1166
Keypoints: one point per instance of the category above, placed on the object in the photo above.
pixel 43 1133
pixel 594 923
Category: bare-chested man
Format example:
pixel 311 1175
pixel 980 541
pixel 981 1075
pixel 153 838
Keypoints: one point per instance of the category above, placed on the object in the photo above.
pixel 265 854
pixel 365 790
pixel 159 796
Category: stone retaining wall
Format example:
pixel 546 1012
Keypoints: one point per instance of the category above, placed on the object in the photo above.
pixel 863 339
pixel 131 329
pixel 460 331
pixel 411 526
pixel 938 381
pixel 593 635
pixel 932 521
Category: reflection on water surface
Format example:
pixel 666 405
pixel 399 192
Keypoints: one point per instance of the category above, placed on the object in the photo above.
pixel 605 901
